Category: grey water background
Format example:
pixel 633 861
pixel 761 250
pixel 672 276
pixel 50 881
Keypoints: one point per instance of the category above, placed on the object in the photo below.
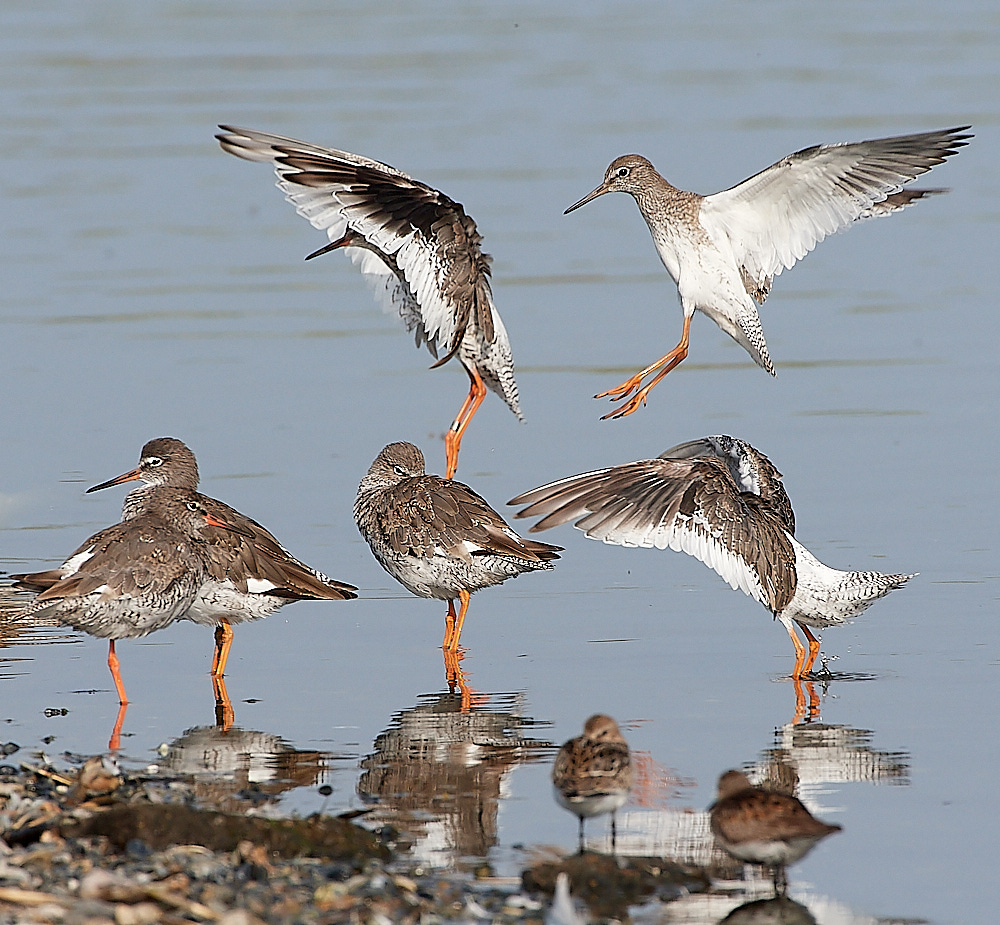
pixel 153 285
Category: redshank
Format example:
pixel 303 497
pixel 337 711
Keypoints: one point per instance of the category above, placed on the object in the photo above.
pixel 134 578
pixel 722 501
pixel 592 774
pixel 764 827
pixel 724 250
pixel 417 248
pixel 250 574
pixel 437 537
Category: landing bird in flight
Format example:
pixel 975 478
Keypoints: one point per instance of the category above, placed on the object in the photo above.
pixel 417 248
pixel 724 250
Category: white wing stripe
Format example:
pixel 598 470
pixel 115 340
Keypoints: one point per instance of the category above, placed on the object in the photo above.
pixel 682 534
pixel 72 565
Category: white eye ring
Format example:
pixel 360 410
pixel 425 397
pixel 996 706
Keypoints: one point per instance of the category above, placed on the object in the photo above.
pixel 153 461
pixel 399 470
pixel 623 172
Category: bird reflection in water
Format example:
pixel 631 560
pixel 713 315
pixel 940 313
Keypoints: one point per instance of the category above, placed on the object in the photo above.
pixel 805 711
pixel 779 910
pixel 37 632
pixel 804 759
pixel 810 757
pixel 438 771
pixel 228 765
pixel 458 681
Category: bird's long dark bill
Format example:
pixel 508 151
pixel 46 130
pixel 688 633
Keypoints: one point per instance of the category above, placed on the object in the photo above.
pixel 600 191
pixel 332 246
pixel 130 476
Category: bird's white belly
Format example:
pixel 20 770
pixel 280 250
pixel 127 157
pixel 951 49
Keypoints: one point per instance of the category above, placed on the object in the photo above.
pixel 219 602
pixel 592 805
pixel 766 851
pixel 443 576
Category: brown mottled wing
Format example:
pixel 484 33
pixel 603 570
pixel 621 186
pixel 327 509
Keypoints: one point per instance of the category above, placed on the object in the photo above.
pixel 757 815
pixel 238 558
pixel 417 230
pixel 37 581
pixel 751 470
pixel 144 557
pixel 688 505
pixel 584 768
pixel 40 581
pixel 428 513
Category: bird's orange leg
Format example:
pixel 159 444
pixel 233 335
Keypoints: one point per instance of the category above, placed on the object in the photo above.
pixel 453 439
pixel 224 713
pixel 223 643
pixel 463 596
pixel 449 625
pixel 813 648
pixel 115 673
pixel 800 652
pixel 667 362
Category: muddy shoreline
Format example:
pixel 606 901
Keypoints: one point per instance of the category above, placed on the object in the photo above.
pixel 89 843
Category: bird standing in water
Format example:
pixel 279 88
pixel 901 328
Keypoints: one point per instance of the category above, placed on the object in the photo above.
pixel 250 574
pixel 133 578
pixel 763 827
pixel 437 537
pixel 722 501
pixel 592 774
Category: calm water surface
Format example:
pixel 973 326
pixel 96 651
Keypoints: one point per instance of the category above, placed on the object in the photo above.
pixel 154 286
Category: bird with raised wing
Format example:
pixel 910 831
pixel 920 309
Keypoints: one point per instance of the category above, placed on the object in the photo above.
pixel 764 827
pixel 724 250
pixel 722 501
pixel 417 248
pixel 250 574
pixel 437 537
pixel 592 773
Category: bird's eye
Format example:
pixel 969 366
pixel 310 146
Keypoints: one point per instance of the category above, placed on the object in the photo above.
pixel 399 470
pixel 153 461
pixel 192 506
pixel 623 172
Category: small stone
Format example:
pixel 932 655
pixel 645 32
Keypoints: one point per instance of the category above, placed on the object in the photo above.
pixel 139 914
pixel 97 883
pixel 239 917
pixel 137 849
pixel 405 883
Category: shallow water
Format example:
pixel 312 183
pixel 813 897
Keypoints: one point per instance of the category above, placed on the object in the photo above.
pixel 154 285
